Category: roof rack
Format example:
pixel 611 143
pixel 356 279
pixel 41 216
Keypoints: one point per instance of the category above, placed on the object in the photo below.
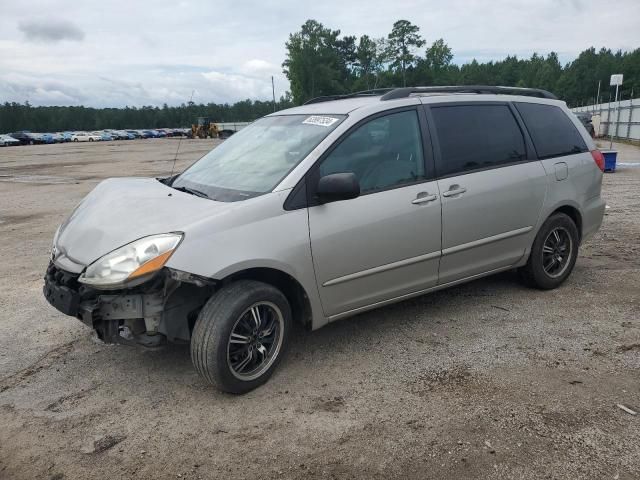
pixel 407 91
pixel 362 93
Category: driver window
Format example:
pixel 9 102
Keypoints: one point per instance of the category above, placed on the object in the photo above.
pixel 383 153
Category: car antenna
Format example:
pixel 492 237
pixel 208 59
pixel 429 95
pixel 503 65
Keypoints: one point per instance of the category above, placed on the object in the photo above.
pixel 179 142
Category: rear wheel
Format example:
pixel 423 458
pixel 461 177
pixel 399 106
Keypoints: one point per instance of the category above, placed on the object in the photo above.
pixel 553 254
pixel 91 139
pixel 241 335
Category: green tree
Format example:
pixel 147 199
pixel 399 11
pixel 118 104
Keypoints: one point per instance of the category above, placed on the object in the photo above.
pixel 403 40
pixel 438 55
pixel 366 58
pixel 435 68
pixel 347 59
pixel 313 64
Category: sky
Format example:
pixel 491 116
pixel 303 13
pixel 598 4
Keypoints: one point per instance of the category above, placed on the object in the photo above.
pixel 116 53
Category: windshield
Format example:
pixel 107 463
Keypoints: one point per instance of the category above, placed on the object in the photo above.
pixel 257 158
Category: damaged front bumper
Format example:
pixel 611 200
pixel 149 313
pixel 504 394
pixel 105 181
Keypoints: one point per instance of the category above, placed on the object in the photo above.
pixel 150 314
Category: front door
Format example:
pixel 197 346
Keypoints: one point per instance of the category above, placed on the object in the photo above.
pixel 385 243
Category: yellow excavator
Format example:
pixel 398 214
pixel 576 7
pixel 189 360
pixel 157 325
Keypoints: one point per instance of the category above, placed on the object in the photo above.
pixel 205 128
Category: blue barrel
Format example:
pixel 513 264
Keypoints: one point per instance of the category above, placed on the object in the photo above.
pixel 610 157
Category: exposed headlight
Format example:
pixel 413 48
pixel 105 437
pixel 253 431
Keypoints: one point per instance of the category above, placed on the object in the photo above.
pixel 133 261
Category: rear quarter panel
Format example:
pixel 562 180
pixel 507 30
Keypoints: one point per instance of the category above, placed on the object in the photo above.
pixel 583 185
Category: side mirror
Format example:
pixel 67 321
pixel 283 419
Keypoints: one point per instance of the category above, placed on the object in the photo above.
pixel 338 186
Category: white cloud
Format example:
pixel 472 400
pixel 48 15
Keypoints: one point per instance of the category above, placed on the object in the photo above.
pixel 258 67
pixel 235 87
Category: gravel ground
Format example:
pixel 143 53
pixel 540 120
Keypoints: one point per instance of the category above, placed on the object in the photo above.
pixel 485 380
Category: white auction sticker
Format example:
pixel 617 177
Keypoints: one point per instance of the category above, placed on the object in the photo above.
pixel 319 120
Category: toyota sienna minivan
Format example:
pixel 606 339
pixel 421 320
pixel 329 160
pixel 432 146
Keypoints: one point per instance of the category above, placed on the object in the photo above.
pixel 326 210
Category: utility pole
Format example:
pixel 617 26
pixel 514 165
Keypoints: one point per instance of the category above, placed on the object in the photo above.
pixel 617 81
pixel 273 91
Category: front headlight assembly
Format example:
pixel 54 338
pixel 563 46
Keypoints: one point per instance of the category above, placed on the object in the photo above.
pixel 137 260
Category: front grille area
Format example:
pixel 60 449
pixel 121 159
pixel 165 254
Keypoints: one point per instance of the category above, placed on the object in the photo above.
pixel 62 278
pixel 61 289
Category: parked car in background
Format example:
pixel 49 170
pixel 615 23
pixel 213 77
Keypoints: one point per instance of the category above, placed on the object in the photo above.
pixel 104 136
pixel 45 137
pixel 117 134
pixel 85 137
pixel 396 194
pixel 144 133
pixel 175 132
pixel 57 137
pixel 112 133
pixel 8 141
pixel 26 137
pixel 135 133
pixel 67 136
pixel 124 135
pixel 586 120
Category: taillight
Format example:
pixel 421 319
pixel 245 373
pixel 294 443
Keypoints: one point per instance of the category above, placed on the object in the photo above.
pixel 598 157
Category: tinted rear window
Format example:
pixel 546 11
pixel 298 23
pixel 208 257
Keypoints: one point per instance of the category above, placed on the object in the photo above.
pixel 476 136
pixel 552 132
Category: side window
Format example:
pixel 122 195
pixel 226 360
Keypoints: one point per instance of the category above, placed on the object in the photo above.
pixel 383 153
pixel 476 136
pixel 552 132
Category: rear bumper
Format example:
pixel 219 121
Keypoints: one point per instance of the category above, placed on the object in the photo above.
pixel 592 215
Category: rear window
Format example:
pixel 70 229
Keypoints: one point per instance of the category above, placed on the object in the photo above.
pixel 473 137
pixel 552 131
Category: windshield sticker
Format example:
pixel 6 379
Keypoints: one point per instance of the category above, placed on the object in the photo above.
pixel 319 120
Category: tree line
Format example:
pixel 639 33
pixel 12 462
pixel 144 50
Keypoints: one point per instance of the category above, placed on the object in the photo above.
pixel 17 116
pixel 321 61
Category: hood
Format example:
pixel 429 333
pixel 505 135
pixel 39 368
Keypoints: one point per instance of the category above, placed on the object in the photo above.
pixel 121 210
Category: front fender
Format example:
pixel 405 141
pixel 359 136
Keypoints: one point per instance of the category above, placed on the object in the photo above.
pixel 263 235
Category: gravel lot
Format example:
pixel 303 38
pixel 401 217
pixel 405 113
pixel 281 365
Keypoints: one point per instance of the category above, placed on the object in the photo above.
pixel 485 380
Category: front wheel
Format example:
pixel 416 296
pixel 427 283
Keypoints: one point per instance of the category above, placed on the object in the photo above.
pixel 241 335
pixel 553 254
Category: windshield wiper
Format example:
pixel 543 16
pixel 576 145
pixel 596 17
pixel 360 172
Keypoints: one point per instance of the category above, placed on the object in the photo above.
pixel 192 191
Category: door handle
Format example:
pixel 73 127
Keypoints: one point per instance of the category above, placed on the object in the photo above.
pixel 424 197
pixel 454 190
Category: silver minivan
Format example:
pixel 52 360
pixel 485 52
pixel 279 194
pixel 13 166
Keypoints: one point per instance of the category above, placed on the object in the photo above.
pixel 326 210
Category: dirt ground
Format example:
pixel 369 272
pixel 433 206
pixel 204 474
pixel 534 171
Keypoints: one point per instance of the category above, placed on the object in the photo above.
pixel 485 380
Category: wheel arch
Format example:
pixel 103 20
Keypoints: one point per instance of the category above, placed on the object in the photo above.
pixel 568 208
pixel 572 212
pixel 291 288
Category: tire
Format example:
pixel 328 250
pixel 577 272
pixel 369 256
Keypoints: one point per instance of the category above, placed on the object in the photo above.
pixel 544 270
pixel 219 359
pixel 75 139
pixel 91 139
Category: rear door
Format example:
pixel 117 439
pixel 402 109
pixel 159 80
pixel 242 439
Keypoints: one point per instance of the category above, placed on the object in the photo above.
pixel 492 187
pixel 385 243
